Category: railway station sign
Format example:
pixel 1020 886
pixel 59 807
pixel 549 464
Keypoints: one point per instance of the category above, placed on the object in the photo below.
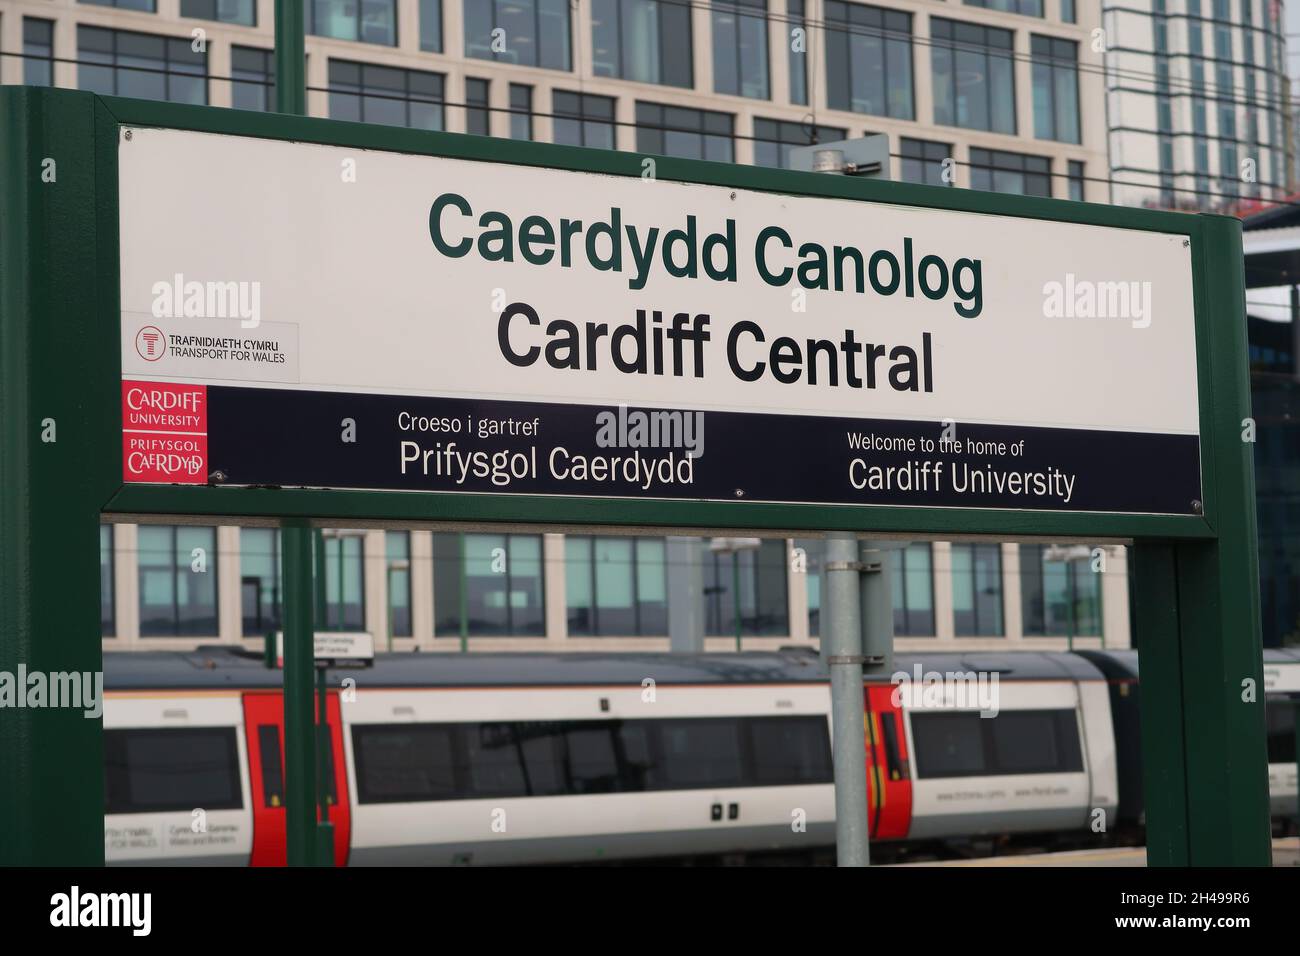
pixel 320 316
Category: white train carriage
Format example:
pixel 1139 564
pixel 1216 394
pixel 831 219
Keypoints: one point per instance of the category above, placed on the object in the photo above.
pixel 523 758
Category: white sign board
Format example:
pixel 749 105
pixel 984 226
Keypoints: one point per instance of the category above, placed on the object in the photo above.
pixel 317 316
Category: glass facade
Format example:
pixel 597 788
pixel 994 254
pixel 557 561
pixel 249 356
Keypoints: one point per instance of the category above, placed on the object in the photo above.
pixel 478 117
pixel 1004 172
pixel 397 551
pixel 521 111
pixel 178 581
pixel 502 585
pixel 1056 88
pixel 1028 8
pixel 796 41
pixel 922 161
pixel 582 119
pixel 1058 597
pixel 773 139
pixel 252 73
pixel 682 132
pixel 869 60
pixel 259 581
pixel 522 32
pixel 107 580
pixel 644 40
pixel 38 52
pixel 145 6
pixel 345 582
pixel 912 585
pixel 977 590
pixel 615 586
pixel 367 93
pixel 740 48
pixel 242 12
pixel 367 21
pixel 431 26
pixel 122 63
pixel 974 76
pixel 763 595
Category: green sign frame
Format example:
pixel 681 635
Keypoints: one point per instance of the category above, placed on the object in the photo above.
pixel 1195 577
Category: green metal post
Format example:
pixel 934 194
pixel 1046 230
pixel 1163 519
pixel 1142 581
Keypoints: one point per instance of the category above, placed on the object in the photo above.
pixel 464 590
pixel 1205 763
pixel 735 591
pixel 290 58
pixel 299 748
pixel 60 462
pixel 318 581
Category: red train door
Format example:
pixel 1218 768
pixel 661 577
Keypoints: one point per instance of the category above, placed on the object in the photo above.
pixel 264 721
pixel 889 783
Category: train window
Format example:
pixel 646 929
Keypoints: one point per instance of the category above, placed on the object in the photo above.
pixel 539 743
pixel 1035 741
pixel 404 762
pixel 636 750
pixel 699 753
pixel 268 748
pixel 591 765
pixel 948 745
pixel 790 750
pixel 1280 714
pixel 1015 741
pixel 493 757
pixel 162 769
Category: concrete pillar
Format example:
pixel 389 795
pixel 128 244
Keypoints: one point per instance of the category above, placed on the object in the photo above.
pixel 685 557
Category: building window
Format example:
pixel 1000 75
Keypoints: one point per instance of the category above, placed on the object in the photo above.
pixel 149 67
pixel 431 26
pixel 974 79
pixel 977 590
pixel 521 111
pixel 259 580
pixel 369 21
pixel 1003 172
pixel 397 549
pixel 1056 89
pixel 740 48
pixel 178 581
pixel 1028 8
pixel 1076 179
pixel 38 52
pixel 252 73
pixel 1059 597
pixel 1068 14
pixel 644 40
pixel 582 119
pixel 922 161
pixel 242 12
pixel 385 94
pixel 523 32
pixel 912 585
pixel 773 140
pixel 796 41
pixel 685 133
pixel 345 581
pixel 763 601
pixel 615 586
pixel 147 6
pixel 869 60
pixel 478 118
pixel 107 617
pixel 501 581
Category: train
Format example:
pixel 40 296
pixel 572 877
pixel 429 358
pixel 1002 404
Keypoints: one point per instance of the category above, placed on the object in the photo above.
pixel 575 758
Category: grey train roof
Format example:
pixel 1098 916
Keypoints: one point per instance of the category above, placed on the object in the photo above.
pixel 216 667
pixel 1124 663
